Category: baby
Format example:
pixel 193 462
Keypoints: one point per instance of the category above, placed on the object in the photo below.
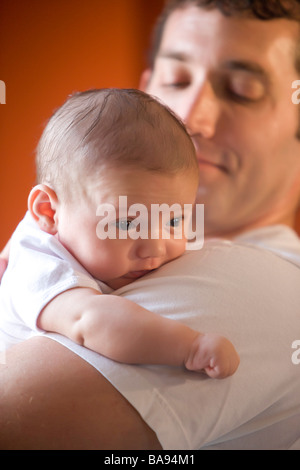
pixel 71 249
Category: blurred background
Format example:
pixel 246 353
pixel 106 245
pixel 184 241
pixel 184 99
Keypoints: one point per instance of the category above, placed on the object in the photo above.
pixel 49 49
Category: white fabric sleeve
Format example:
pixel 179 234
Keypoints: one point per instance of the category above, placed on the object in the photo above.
pixel 39 269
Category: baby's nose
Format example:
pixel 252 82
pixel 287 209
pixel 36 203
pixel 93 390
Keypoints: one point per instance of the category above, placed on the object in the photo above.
pixel 152 248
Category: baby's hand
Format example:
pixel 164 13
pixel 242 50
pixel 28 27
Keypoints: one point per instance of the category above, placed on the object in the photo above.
pixel 213 354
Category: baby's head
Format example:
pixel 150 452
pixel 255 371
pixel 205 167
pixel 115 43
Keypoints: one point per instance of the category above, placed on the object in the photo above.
pixel 100 146
pixel 110 129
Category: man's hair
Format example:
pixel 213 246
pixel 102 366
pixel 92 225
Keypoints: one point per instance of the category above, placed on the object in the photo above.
pixel 261 9
pixel 98 130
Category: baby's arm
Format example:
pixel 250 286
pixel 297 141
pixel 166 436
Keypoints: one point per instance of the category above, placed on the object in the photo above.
pixel 125 332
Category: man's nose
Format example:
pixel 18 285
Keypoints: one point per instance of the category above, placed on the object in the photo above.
pixel 202 113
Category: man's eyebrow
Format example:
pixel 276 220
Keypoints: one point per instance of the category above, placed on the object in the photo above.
pixel 242 65
pixel 180 56
pixel 245 66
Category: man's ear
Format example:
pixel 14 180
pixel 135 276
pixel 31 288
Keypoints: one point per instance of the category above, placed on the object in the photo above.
pixel 42 204
pixel 145 79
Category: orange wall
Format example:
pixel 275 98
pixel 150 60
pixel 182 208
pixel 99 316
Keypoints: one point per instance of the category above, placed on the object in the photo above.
pixel 49 49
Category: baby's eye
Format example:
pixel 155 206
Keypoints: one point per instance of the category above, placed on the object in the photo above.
pixel 175 222
pixel 124 224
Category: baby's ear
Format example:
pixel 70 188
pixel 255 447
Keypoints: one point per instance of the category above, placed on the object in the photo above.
pixel 42 204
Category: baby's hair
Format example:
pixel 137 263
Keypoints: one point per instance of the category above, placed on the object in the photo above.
pixel 98 130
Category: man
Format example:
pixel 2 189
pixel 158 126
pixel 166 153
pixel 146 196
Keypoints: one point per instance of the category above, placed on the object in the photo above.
pixel 228 73
pixel 232 96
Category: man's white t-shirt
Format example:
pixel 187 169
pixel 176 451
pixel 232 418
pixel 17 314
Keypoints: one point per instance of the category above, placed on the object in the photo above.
pixel 247 290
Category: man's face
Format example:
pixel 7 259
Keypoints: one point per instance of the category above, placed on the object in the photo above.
pixel 230 80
